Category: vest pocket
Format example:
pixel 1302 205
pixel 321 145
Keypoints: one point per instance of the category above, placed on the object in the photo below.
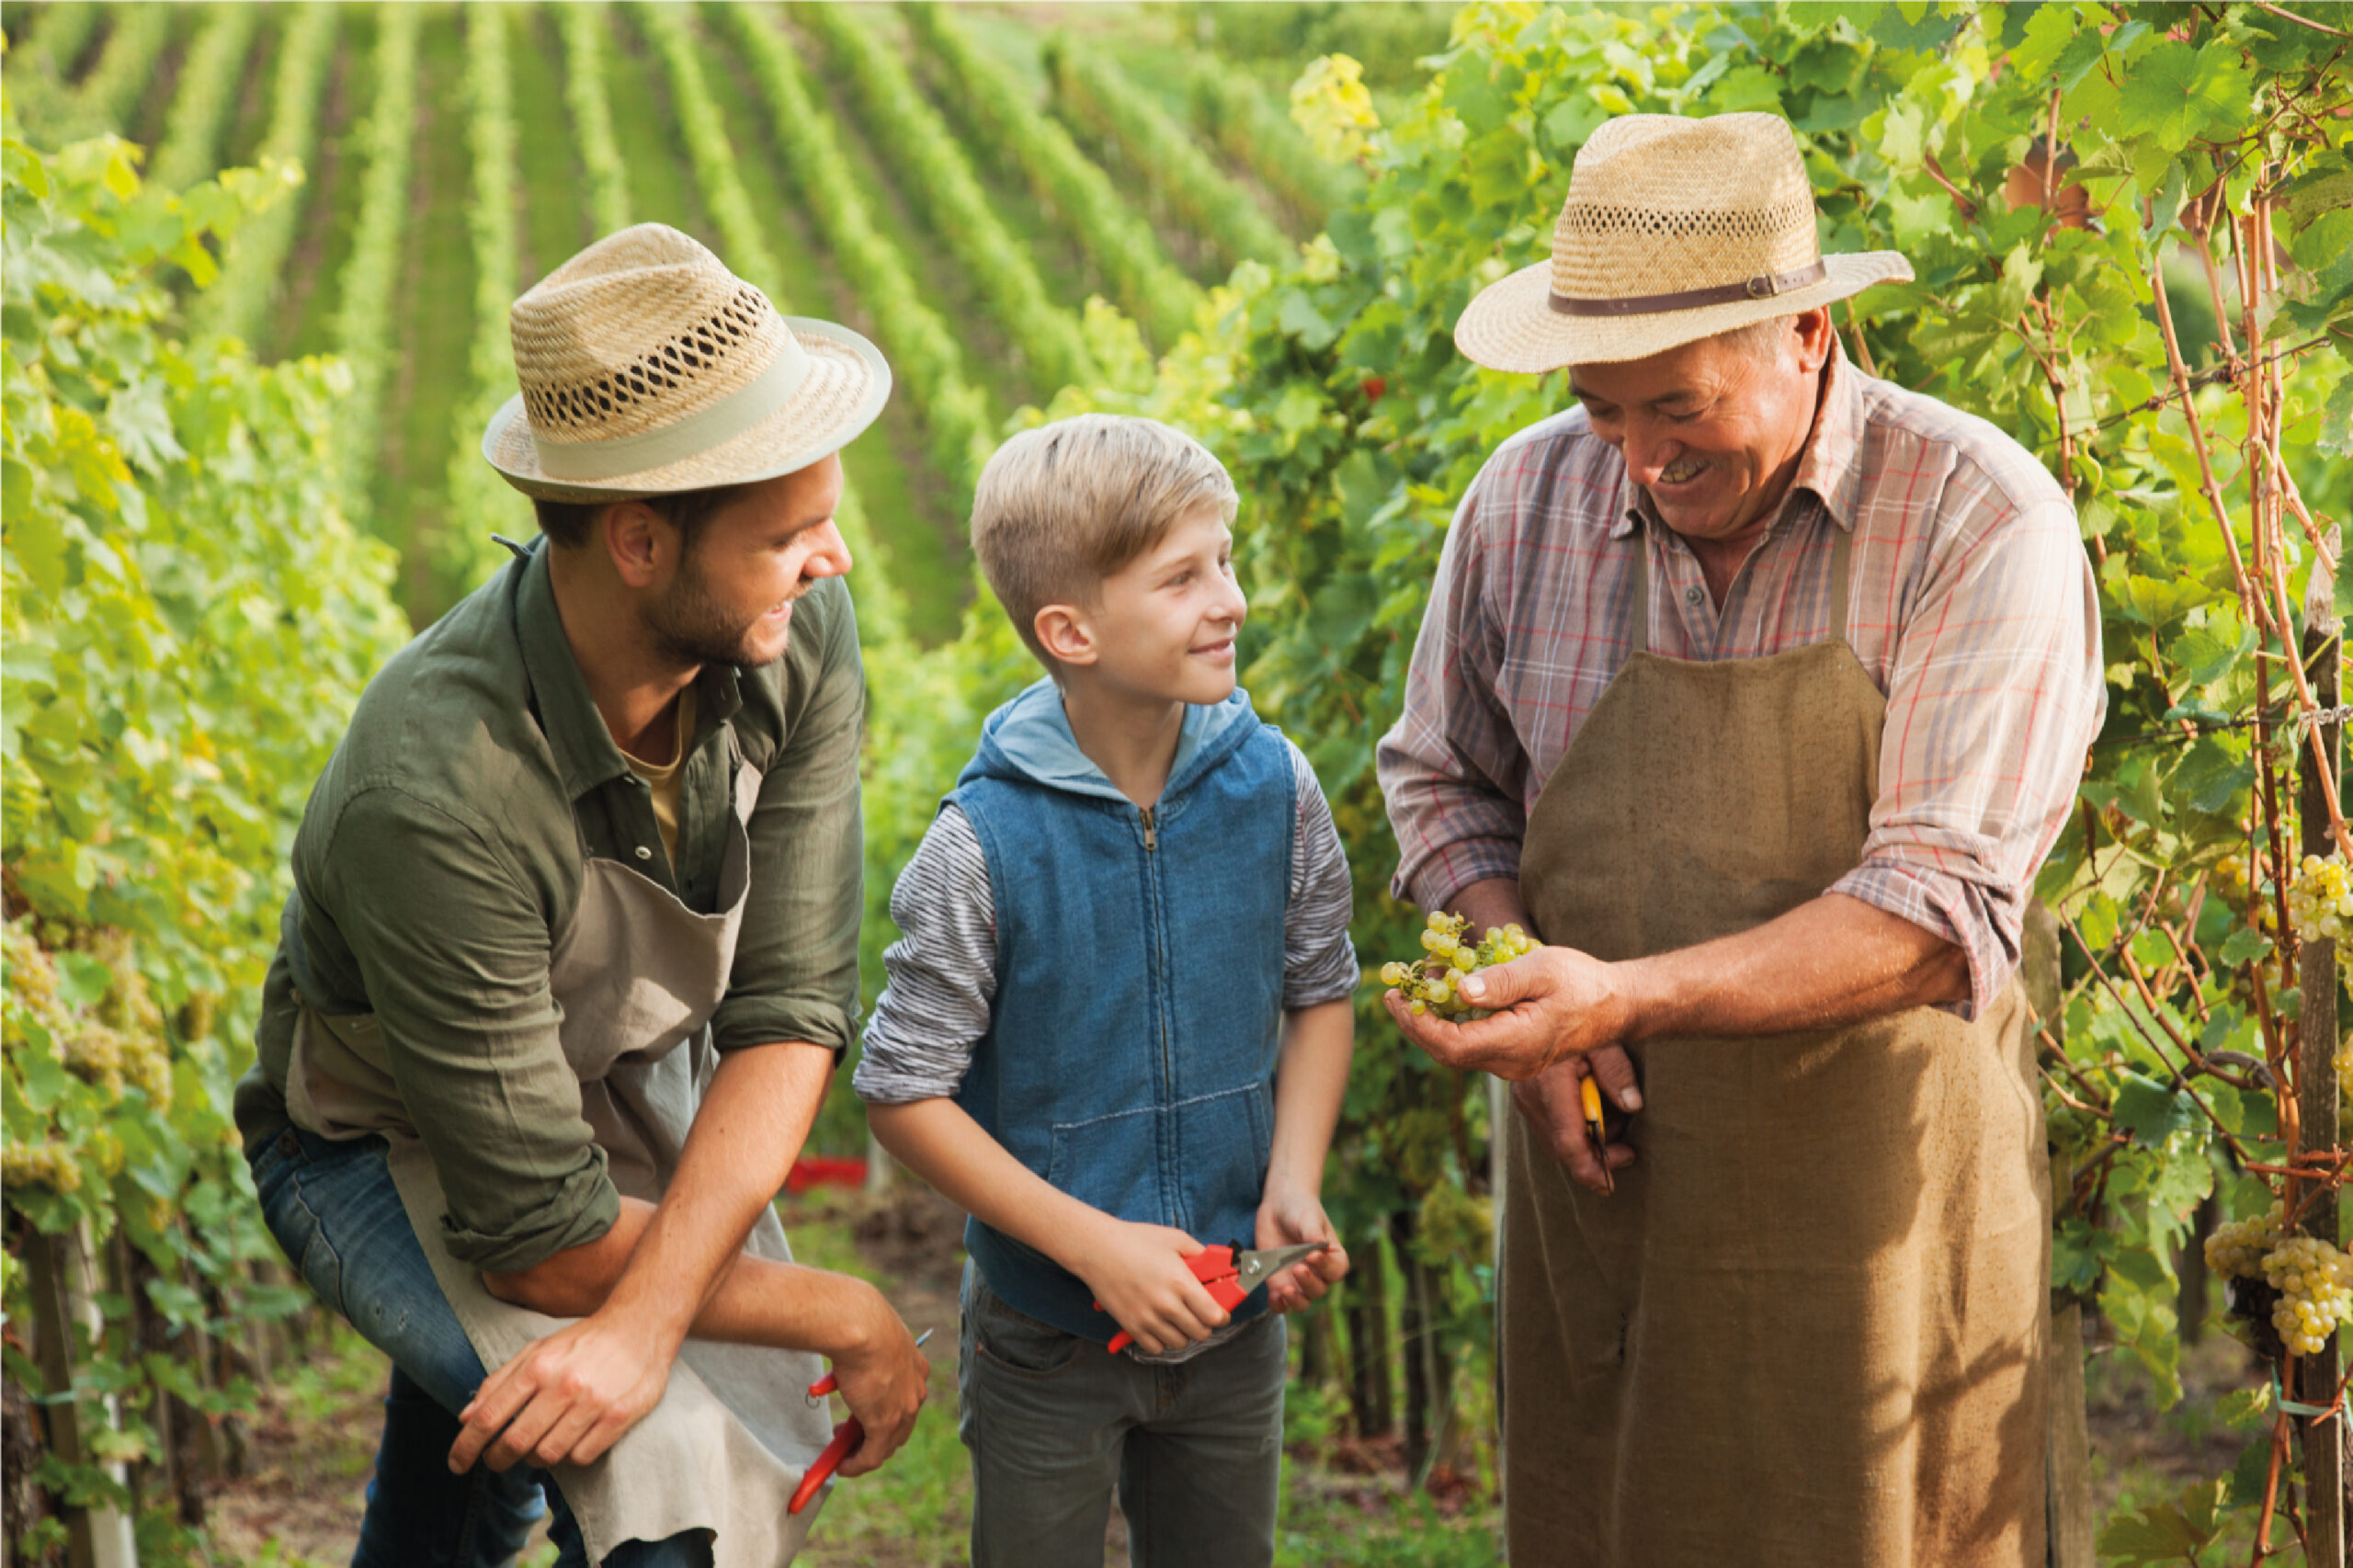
pixel 1215 1146
pixel 1223 1142
pixel 1110 1162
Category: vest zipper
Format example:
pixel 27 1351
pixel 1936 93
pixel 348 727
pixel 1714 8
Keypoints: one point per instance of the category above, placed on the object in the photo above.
pixel 1151 836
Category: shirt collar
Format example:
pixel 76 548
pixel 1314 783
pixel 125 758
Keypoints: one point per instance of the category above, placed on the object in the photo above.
pixel 1829 465
pixel 583 747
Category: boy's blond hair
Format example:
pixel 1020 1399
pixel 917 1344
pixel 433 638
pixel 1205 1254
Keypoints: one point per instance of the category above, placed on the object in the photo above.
pixel 1061 508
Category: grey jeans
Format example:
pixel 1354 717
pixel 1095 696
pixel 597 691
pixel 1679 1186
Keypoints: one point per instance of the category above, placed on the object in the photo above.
pixel 1054 1422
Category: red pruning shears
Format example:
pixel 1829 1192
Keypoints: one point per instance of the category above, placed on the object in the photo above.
pixel 846 1437
pixel 1231 1274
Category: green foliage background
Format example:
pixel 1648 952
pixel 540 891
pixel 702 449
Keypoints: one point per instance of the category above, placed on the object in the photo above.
pixel 187 618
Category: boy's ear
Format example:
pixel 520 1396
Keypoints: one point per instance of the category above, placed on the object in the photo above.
pixel 1067 634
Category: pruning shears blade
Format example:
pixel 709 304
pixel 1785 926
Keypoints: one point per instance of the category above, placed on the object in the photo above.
pixel 1253 1269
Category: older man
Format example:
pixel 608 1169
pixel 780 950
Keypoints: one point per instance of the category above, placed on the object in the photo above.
pixel 571 948
pixel 1759 687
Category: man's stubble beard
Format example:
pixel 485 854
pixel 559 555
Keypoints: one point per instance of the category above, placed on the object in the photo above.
pixel 690 626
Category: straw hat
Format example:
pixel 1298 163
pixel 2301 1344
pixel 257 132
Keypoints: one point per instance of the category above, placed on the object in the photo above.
pixel 1674 230
pixel 648 367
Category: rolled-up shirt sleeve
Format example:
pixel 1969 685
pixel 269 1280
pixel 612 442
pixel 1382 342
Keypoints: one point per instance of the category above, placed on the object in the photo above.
pixel 1451 769
pixel 1995 693
pixel 469 1028
pixel 795 976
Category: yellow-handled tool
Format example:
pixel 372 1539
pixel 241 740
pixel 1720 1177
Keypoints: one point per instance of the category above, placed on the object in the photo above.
pixel 1589 1096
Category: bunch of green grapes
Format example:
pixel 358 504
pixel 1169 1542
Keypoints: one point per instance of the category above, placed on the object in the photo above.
pixel 2311 1277
pixel 2321 898
pixel 1433 983
pixel 2236 1250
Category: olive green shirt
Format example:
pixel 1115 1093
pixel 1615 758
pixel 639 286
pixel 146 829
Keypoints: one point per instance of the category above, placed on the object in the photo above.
pixel 443 853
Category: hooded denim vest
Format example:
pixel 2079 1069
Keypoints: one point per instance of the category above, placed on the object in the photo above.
pixel 1130 1058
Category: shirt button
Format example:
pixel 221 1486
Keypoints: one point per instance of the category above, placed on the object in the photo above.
pixel 1691 595
pixel 643 853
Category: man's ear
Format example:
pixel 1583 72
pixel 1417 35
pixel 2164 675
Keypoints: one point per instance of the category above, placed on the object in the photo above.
pixel 639 539
pixel 1814 333
pixel 1067 634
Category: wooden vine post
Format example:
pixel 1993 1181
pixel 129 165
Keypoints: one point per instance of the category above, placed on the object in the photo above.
pixel 2316 982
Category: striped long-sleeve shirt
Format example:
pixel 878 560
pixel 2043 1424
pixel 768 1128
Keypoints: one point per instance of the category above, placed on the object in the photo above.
pixel 943 967
pixel 1971 605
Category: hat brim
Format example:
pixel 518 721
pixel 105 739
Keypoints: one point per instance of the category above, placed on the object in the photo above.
pixel 1511 325
pixel 847 384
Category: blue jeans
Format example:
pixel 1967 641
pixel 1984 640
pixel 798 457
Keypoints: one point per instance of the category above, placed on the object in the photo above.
pixel 1054 1423
pixel 333 1208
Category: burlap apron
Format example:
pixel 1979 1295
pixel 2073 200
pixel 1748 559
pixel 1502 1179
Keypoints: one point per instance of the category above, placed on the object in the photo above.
pixel 637 976
pixel 1809 1327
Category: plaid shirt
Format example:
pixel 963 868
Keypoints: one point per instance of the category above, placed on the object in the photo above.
pixel 1971 605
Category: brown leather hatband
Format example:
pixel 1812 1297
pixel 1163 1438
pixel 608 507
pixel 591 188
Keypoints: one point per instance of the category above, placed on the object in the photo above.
pixel 1760 287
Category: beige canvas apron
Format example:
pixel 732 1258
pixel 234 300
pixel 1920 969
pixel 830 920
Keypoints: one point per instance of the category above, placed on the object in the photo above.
pixel 1808 1329
pixel 637 976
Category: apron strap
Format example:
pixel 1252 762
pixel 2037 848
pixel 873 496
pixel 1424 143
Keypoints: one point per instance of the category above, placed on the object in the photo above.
pixel 1842 544
pixel 1641 616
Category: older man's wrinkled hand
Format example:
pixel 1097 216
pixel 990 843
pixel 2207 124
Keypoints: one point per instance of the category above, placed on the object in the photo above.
pixel 1547 1007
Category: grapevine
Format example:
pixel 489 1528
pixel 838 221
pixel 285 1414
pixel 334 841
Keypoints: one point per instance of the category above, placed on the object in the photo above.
pixel 480 501
pixel 583 27
pixel 207 97
pixel 1096 90
pixel 922 349
pixel 255 265
pixel 361 329
pixel 925 154
pixel 1434 982
pixel 1228 105
pixel 1121 243
pixel 668 30
pixel 134 42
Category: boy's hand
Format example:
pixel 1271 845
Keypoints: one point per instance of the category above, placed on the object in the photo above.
pixel 1287 1218
pixel 1138 1274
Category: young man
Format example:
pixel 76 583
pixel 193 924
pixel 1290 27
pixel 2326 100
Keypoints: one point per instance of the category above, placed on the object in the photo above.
pixel 1118 1024
pixel 572 949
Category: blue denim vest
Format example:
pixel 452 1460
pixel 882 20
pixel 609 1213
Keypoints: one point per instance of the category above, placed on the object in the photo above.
pixel 1131 1052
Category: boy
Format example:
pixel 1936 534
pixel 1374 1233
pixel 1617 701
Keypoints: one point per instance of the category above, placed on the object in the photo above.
pixel 1118 1019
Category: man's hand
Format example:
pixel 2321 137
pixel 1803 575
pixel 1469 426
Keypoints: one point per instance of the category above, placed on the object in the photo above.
pixel 1548 1005
pixel 1288 1216
pixel 1138 1275
pixel 884 1380
pixel 1551 1103
pixel 566 1398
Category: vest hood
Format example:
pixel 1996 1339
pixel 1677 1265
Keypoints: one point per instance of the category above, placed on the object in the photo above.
pixel 1029 740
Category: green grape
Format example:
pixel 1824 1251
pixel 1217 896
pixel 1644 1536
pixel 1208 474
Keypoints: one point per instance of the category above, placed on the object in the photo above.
pixel 2236 1250
pixel 2321 898
pixel 2314 1297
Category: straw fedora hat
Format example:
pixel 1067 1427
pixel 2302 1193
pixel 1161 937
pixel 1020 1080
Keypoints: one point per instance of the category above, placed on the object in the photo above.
pixel 1674 230
pixel 648 369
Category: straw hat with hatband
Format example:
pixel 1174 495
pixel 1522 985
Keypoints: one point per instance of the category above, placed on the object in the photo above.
pixel 1674 230
pixel 649 369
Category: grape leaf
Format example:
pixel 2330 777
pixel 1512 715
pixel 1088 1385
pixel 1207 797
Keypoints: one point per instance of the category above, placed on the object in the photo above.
pixel 2245 946
pixel 2151 1112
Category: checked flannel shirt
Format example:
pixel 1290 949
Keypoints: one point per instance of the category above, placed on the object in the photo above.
pixel 1971 605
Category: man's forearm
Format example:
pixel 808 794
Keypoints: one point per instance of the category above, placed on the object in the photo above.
pixel 664 1266
pixel 1831 961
